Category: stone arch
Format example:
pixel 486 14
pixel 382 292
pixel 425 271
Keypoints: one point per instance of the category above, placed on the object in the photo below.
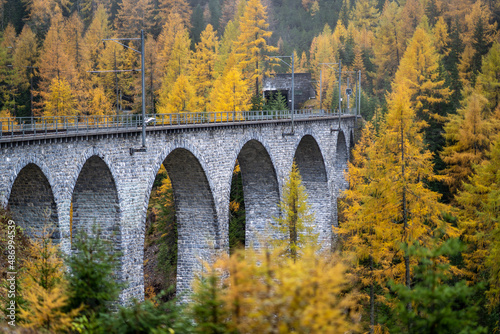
pixel 196 215
pixel 311 165
pixel 95 201
pixel 260 190
pixel 31 200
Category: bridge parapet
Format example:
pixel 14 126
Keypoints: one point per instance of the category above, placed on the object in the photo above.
pixel 34 128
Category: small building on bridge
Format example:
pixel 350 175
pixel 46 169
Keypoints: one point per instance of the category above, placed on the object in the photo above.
pixel 282 83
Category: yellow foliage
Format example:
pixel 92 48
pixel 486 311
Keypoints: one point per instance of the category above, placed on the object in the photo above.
pixel 60 100
pixel 264 293
pixel 44 288
pixel 252 45
pixel 230 93
pixel 295 223
pixel 6 118
pixel 419 73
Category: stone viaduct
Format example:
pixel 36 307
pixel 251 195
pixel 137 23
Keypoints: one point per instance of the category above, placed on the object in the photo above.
pixel 107 185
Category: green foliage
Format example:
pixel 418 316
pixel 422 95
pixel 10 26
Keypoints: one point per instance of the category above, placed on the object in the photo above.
pixel 91 277
pixel 276 102
pixel 207 306
pixel 147 317
pixel 257 102
pixel 438 305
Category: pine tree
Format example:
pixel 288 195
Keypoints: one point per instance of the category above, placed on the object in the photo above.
pixel 91 278
pixel 252 45
pixel 435 296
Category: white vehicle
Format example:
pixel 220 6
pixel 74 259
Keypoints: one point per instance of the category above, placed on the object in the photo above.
pixel 150 121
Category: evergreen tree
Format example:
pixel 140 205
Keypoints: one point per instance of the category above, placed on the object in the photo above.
pixel 91 277
pixel 439 305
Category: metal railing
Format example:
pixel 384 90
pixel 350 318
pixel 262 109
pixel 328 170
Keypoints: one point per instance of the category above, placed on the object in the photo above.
pixel 54 125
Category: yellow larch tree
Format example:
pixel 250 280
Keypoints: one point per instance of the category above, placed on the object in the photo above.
pixel 93 46
pixel 134 15
pixel 60 101
pixel 465 71
pixel 387 48
pixel 479 223
pixel 165 42
pixel 54 62
pixel 177 64
pixel 441 37
pixel 252 45
pixel 181 98
pixel 262 293
pixel 467 137
pixel 295 224
pixel 230 93
pixel 389 201
pixel 179 7
pixel 44 287
pixel 203 65
pixel 365 14
pixel 419 72
pixel 488 81
pixel 99 104
pixel 411 14
pixel 470 132
pixel 322 51
pixel 25 56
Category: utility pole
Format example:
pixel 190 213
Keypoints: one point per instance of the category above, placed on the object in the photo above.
pixel 143 83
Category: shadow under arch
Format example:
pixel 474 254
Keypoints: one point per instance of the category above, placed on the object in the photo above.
pixel 260 191
pixel 311 165
pixel 341 158
pixel 32 204
pixel 95 202
pixel 196 216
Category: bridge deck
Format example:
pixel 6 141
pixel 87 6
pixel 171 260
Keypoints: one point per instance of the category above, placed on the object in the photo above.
pixel 43 128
